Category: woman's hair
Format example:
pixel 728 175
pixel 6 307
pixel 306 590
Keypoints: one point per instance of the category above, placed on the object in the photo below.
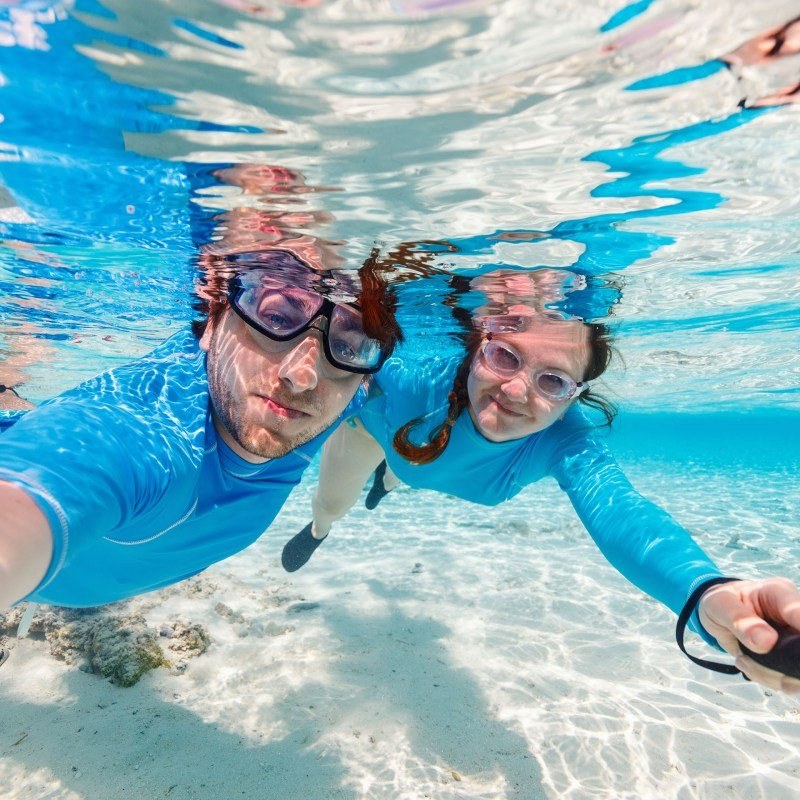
pixel 601 351
pixel 376 297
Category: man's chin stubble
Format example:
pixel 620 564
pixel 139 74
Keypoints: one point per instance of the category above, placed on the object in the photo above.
pixel 232 415
pixel 274 447
pixel 256 439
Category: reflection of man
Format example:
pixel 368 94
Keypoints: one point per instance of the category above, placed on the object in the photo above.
pixel 150 473
pixel 278 216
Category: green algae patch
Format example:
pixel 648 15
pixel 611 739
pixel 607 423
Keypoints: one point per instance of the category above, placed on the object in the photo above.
pixel 120 647
pixel 123 649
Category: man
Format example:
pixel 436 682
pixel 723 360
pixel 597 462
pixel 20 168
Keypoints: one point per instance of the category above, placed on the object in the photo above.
pixel 153 471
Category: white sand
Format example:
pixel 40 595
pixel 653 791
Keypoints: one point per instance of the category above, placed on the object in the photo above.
pixel 511 663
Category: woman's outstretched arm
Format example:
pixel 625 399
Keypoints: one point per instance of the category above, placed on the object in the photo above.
pixel 639 539
pixel 659 556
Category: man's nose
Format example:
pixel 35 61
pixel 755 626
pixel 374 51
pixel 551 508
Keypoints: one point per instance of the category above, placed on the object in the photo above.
pixel 300 366
pixel 516 389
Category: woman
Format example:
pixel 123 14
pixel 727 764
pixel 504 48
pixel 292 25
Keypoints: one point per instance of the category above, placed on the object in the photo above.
pixel 485 425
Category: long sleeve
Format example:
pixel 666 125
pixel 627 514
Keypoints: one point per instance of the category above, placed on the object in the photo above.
pixel 641 540
pixel 105 453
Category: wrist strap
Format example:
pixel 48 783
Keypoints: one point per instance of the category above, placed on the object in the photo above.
pixel 683 618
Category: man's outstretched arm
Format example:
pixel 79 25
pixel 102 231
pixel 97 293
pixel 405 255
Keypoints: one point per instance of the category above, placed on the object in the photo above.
pixel 26 544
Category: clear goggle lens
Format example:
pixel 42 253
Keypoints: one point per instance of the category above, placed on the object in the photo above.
pixel 552 383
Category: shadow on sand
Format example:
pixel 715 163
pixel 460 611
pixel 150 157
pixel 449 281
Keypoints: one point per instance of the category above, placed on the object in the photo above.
pixel 84 738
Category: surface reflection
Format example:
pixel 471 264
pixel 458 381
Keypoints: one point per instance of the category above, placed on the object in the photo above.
pixel 273 210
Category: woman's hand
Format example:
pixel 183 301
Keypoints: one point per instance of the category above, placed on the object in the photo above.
pixel 747 611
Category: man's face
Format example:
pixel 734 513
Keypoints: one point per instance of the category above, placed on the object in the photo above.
pixel 270 397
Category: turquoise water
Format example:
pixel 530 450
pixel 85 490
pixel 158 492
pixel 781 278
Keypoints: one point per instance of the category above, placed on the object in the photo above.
pixel 605 139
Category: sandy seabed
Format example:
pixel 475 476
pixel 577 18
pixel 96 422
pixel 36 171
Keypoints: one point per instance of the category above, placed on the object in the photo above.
pixel 430 650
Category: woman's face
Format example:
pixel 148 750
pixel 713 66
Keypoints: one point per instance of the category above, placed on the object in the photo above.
pixel 511 407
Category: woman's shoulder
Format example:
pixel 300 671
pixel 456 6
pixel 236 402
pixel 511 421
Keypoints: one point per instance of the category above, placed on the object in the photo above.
pixel 577 437
pixel 414 388
pixel 576 427
pixel 417 374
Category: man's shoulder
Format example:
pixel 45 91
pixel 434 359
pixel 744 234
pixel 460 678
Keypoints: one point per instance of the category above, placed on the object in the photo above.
pixel 174 372
pixel 150 411
pixel 180 354
pixel 164 393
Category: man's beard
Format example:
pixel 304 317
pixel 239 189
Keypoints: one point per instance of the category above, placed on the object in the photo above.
pixel 232 414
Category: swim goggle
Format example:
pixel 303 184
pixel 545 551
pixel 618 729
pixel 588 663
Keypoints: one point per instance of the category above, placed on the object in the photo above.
pixel 506 362
pixel 282 311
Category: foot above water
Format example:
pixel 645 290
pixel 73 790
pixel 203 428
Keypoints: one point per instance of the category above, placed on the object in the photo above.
pixel 10 400
pixel 299 549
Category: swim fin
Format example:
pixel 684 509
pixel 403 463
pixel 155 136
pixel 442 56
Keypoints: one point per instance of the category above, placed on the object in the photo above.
pixel 378 490
pixel 299 549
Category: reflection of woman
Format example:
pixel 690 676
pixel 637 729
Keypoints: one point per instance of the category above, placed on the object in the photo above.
pixel 484 426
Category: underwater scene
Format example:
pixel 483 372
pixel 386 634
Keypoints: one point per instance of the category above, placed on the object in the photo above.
pixel 379 382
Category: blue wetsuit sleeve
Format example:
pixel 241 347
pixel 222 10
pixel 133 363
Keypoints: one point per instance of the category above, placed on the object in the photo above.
pixel 90 469
pixel 638 538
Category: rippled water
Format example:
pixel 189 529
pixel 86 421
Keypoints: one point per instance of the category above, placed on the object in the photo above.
pixel 508 129
pixel 137 138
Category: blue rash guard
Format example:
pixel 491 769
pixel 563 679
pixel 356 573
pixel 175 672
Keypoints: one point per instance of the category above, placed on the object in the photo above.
pixel 636 536
pixel 139 490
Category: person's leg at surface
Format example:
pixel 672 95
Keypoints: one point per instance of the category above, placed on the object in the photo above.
pixel 10 399
pixel 348 459
pixel 10 378
pixel 18 351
